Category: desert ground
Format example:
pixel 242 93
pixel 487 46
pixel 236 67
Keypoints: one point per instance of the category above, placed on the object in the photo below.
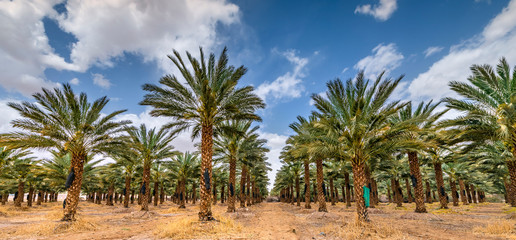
pixel 267 220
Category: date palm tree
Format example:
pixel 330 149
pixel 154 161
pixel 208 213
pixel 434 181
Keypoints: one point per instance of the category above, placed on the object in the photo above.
pixel 65 121
pixel 358 115
pixel 209 97
pixel 183 168
pixel 151 146
pixel 488 107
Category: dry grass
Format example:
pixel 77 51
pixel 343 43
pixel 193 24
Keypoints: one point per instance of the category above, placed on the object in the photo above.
pixel 510 210
pixel 373 230
pixel 446 211
pixel 9 211
pixel 175 209
pixel 82 224
pixel 502 227
pixel 190 227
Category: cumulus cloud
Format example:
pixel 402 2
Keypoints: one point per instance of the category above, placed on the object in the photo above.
pixel 24 49
pixel 275 142
pixel 7 114
pixel 497 39
pixel 385 58
pixel 75 81
pixel 183 142
pixel 101 81
pixel 149 28
pixel 432 50
pixel 381 11
pixel 289 85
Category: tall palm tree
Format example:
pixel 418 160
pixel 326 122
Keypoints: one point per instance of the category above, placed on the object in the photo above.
pixel 151 146
pixel 209 97
pixel 358 114
pixel 488 106
pixel 422 119
pixel 65 121
pixel 128 160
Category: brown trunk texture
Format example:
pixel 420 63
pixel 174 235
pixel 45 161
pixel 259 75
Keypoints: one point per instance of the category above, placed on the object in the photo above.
pixel 455 194
pixel 440 185
pixel 417 182
pixel 307 184
pixel 145 195
pixel 359 181
pixel 463 192
pixel 232 181
pixel 72 198
pixel 348 189
pixel 205 213
pixel 320 192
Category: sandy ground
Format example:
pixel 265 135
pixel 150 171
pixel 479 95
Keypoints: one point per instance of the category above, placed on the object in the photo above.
pixel 262 221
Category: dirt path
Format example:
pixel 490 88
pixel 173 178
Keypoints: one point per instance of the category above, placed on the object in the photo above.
pixel 273 221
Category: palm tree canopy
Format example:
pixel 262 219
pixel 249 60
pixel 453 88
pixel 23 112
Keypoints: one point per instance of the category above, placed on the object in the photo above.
pixel 209 97
pixel 62 120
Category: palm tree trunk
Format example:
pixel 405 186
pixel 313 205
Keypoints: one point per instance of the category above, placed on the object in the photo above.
pixel 369 185
pixel 31 193
pixel 156 192
pixel 399 194
pixel 146 186
pixel 463 196
pixel 182 194
pixel 409 191
pixel 468 193
pixel 72 198
pixel 242 186
pixel 417 182
pixel 109 200
pixel 40 197
pixel 332 194
pixel 348 189
pixel 298 191
pixel 207 153
pixel 473 193
pixel 440 185
pixel 455 194
pixel 161 194
pixel 214 193
pixel 428 192
pixel 248 195
pixel 343 189
pixel 511 191
pixel 194 193
pixel 359 181
pixel 307 184
pixel 336 194
pixel 19 198
pixel 389 193
pixel 127 189
pixel 320 179
pixel 232 180
pixel 222 193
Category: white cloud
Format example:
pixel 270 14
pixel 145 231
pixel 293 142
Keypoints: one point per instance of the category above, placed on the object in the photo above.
pixel 183 142
pixel 497 39
pixel 381 12
pixel 75 81
pixel 101 81
pixel 275 143
pixel 385 58
pixel 7 114
pixel 149 28
pixel 344 70
pixel 432 50
pixel 24 49
pixel 289 85
pixel 104 30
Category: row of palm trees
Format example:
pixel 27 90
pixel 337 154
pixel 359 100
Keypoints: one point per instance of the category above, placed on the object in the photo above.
pixel 206 101
pixel 357 130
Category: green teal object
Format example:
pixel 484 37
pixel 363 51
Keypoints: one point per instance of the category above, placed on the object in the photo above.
pixel 366 196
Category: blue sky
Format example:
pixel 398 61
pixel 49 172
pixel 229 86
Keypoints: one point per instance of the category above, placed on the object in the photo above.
pixel 291 48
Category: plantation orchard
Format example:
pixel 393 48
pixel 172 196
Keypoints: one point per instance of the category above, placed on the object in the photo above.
pixel 360 150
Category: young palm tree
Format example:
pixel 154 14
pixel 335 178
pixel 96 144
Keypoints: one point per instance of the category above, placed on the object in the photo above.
pixel 209 97
pixel 358 114
pixel 230 142
pixel 65 121
pixel 489 110
pixel 128 161
pixel 151 146
pixel 183 168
